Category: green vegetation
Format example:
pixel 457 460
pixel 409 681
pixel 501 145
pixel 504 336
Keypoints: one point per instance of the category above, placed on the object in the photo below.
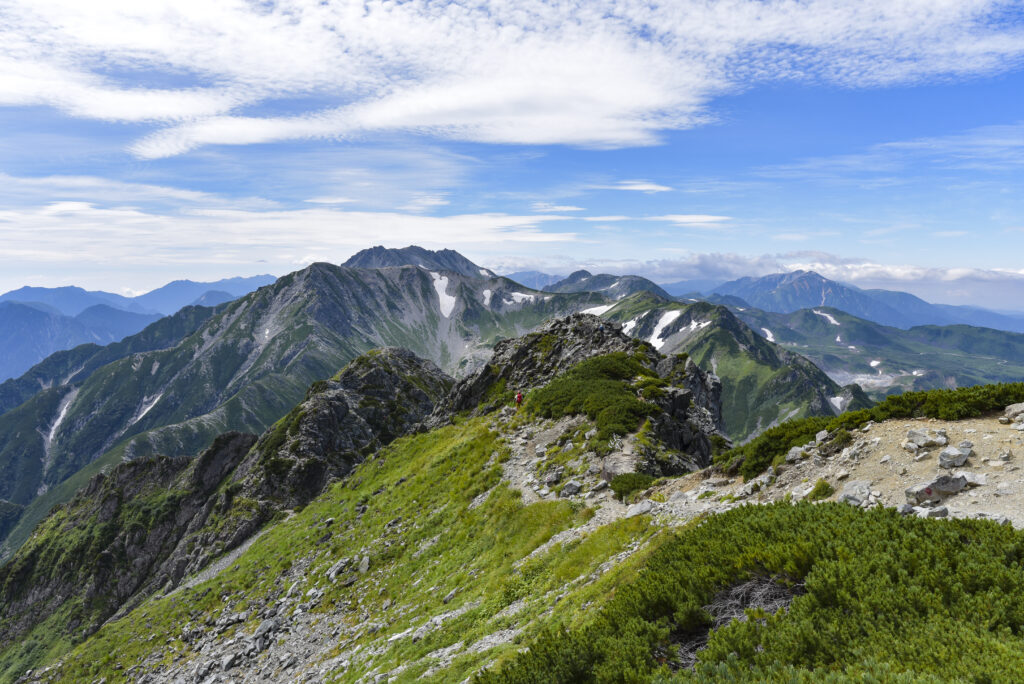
pixel 875 597
pixel 427 482
pixel 752 458
pixel 821 490
pixel 600 388
pixel 627 483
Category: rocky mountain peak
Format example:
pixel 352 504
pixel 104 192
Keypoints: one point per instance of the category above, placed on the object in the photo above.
pixel 532 360
pixel 441 260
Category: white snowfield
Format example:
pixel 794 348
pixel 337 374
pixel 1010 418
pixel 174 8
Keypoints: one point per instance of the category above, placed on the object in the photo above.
pixel 830 317
pixel 875 363
pixel 630 325
pixel 520 297
pixel 665 321
pixel 598 310
pixel 445 301
pixel 768 334
pixel 837 402
pixel 698 325
pixel 487 297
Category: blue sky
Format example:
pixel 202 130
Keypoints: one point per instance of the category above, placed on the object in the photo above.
pixel 880 143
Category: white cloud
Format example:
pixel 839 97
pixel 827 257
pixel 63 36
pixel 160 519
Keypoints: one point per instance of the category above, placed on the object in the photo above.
pixel 606 73
pixel 548 207
pixel 633 185
pixel 213 233
pixel 692 220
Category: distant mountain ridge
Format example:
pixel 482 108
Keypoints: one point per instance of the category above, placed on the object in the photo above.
pixel 441 260
pixel 30 332
pixel 246 365
pixel 789 292
pixel 72 301
pixel 615 287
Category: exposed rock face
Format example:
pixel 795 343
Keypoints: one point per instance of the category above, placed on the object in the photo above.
pixel 378 397
pixel 691 408
pixel 533 360
pixel 153 521
pixel 114 541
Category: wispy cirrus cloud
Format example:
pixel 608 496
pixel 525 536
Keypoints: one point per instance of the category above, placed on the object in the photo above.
pixel 644 186
pixel 608 73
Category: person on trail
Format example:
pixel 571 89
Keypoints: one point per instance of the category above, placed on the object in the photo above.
pixel 519 400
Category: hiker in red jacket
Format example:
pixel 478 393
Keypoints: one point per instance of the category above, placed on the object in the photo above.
pixel 519 400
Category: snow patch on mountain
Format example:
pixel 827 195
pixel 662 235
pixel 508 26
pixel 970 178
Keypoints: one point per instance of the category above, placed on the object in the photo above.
pixel 628 327
pixel 665 321
pixel 598 310
pixel 487 297
pixel 445 300
pixel 768 334
pixel 830 317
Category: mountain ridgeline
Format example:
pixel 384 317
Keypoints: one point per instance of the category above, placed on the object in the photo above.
pixel 171 390
pixel 152 522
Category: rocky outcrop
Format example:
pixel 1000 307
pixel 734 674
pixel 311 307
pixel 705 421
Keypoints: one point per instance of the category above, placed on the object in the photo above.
pixel 378 397
pixel 112 543
pixel 534 359
pixel 151 522
pixel 690 406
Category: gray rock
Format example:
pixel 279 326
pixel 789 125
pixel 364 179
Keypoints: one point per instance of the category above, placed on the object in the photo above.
pixel 885 459
pixel 572 487
pixel 449 596
pixel 1003 420
pixel 603 484
pixel 1005 455
pixel 334 570
pixel 553 476
pixel 1014 411
pixel 948 484
pixel 921 493
pixel 966 444
pixel 951 457
pixel 905 509
pixel 266 627
pixel 364 565
pixel 910 446
pixel 933 491
pixel 645 506
pixel 795 454
pixel 821 436
pixel 228 661
pixel 972 478
pixel 590 434
pixel 938 512
pixel 855 492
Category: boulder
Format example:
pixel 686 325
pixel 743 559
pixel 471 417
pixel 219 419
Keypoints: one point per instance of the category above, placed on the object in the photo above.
pixel 821 437
pixel 923 437
pixel 571 488
pixel 933 491
pixel 1014 411
pixel 910 446
pixel 938 512
pixel 972 478
pixel 645 506
pixel 951 457
pixel 855 492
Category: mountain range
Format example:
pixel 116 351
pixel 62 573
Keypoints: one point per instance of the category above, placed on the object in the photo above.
pixel 38 321
pixel 789 292
pixel 241 367
pixel 176 385
pixel 29 332
pixel 396 524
